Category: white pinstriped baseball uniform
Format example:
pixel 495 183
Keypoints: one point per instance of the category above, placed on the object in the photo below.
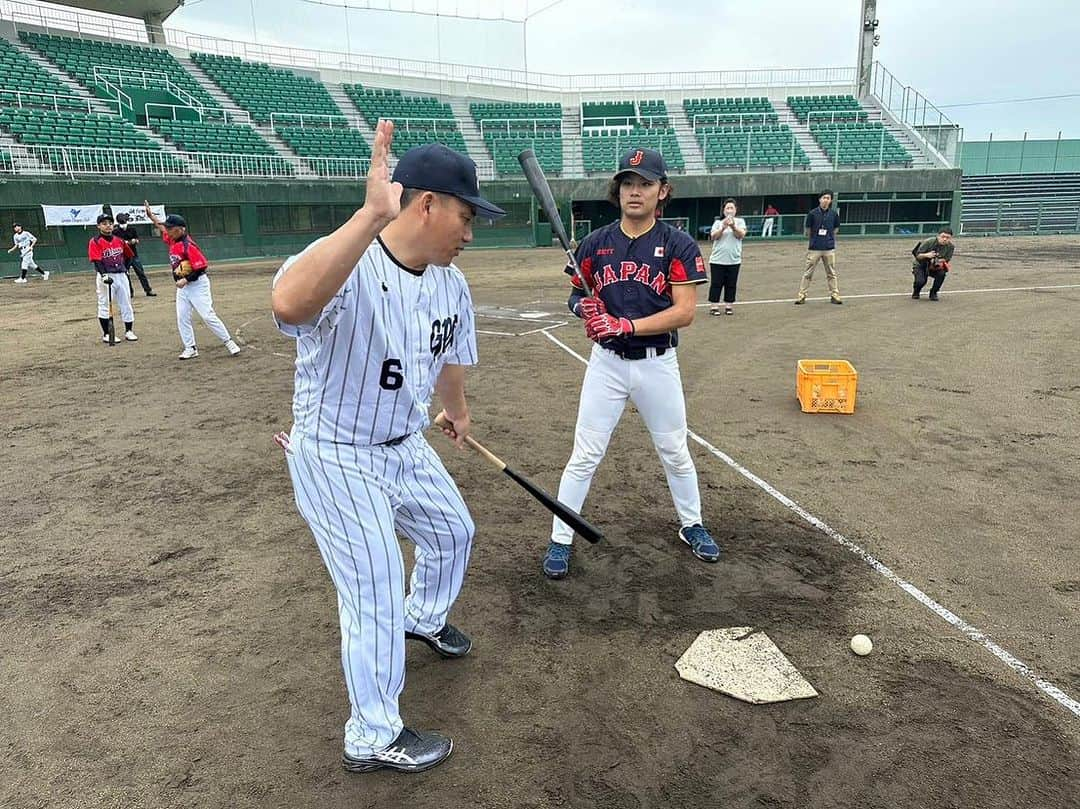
pixel 365 373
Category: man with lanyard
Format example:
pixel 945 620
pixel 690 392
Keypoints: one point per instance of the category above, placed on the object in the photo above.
pixel 822 225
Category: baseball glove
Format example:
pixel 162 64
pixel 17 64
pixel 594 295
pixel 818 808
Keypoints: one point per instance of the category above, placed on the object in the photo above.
pixel 184 270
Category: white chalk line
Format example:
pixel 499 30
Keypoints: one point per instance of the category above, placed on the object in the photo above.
pixel 239 335
pixel 791 300
pixel 972 632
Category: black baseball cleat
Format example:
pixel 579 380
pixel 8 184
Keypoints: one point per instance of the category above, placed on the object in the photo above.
pixel 448 641
pixel 411 751
pixel 933 296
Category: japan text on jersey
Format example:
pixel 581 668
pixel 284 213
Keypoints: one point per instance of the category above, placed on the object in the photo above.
pixel 366 365
pixel 633 276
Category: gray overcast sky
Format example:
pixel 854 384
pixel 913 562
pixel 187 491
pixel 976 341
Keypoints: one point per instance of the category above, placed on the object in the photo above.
pixel 954 52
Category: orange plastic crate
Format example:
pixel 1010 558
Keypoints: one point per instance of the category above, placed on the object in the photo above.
pixel 826 386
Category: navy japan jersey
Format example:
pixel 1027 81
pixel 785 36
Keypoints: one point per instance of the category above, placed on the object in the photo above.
pixel 633 277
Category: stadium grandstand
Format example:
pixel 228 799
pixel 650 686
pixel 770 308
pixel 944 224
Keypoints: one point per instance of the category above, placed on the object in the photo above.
pixel 262 147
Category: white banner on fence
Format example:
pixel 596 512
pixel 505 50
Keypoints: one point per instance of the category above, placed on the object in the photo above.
pixel 137 213
pixel 77 215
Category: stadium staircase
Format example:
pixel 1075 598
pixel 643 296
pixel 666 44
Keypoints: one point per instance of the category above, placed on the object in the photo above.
pixel 819 161
pixel 688 142
pixel 352 112
pixel 225 101
pixel 68 84
pixel 573 158
pixel 920 158
pixel 474 140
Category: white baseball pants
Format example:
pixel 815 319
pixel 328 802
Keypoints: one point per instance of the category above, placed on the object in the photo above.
pixel 196 295
pixel 121 296
pixel 654 386
pixel 353 498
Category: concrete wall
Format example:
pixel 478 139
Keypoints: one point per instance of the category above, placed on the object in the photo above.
pixel 697 196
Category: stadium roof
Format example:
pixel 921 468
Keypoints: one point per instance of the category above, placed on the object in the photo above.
pixel 139 9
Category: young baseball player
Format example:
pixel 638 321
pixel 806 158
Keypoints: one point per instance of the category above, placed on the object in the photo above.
pixel 382 320
pixel 128 233
pixel 189 268
pixel 643 274
pixel 24 243
pixel 108 254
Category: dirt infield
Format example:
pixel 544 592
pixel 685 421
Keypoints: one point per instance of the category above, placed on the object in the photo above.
pixel 170 634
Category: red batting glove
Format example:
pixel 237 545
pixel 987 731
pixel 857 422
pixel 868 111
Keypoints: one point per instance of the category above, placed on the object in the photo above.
pixel 588 308
pixel 944 265
pixel 602 327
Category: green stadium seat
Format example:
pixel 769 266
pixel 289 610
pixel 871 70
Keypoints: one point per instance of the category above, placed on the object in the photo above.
pixel 511 127
pixel 261 89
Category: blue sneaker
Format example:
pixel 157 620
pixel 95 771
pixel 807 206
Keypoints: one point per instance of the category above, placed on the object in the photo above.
pixel 700 542
pixel 557 560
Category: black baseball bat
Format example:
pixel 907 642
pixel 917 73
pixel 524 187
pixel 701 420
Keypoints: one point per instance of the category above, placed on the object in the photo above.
pixel 581 526
pixel 542 191
pixel 107 281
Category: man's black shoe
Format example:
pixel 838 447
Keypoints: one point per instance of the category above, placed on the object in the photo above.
pixel 411 751
pixel 448 641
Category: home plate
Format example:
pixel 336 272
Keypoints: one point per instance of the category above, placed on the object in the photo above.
pixel 742 662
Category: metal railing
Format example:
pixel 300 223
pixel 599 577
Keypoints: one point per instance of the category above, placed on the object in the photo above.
pixel 734 119
pixel 116 76
pixel 122 99
pixel 512 126
pixel 746 161
pixel 846 116
pixel 27 159
pixel 931 127
pixel 316 120
pixel 208 115
pixel 1020 216
pixel 424 124
pixel 24 99
pixel 68 22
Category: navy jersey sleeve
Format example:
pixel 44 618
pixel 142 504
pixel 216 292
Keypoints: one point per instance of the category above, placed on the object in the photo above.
pixel 686 266
pixel 809 223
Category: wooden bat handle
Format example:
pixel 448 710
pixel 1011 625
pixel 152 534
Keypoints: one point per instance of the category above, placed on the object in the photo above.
pixel 481 450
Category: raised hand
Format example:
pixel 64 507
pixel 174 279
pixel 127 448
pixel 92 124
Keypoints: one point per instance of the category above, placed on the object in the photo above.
pixel 382 198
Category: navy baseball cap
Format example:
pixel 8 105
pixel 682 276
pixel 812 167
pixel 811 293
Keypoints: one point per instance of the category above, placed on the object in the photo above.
pixel 104 217
pixel 438 168
pixel 646 163
pixel 175 220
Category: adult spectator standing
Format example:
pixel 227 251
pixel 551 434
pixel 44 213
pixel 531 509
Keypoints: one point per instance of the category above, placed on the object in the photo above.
pixel 128 233
pixel 932 258
pixel 770 221
pixel 24 242
pixel 822 225
pixel 728 232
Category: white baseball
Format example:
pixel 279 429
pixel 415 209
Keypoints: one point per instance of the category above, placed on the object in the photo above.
pixel 861 645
